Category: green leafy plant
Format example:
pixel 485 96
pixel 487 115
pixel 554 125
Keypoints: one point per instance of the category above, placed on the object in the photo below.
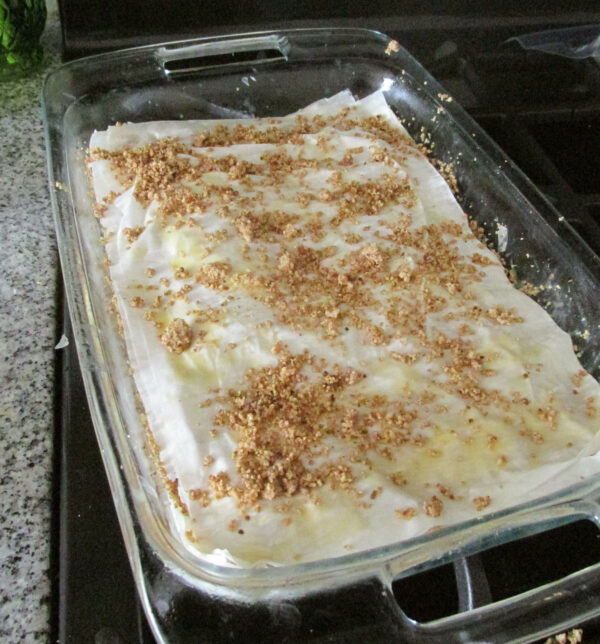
pixel 21 25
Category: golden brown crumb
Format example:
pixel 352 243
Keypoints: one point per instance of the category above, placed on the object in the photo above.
pixel 131 234
pixel 285 262
pixel 200 495
pixel 434 507
pixel 500 316
pixel 407 513
pixel 478 258
pixel 219 485
pixel 275 415
pixel 181 273
pixel 100 210
pixel 173 489
pixel 375 493
pixel 444 491
pixel 591 409
pixel 548 415
pixel 177 336
pixel 214 275
pixel 375 335
pixel 393 46
pixel 482 502
pixel 398 478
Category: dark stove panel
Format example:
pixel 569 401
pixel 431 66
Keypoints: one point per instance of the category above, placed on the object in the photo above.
pixel 90 26
pixel 574 146
pixel 97 597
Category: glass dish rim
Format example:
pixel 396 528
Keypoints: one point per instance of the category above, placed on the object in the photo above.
pixel 362 558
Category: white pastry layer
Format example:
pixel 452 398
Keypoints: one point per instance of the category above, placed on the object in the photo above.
pixel 462 456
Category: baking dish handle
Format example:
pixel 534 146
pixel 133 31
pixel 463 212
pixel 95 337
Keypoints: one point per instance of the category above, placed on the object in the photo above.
pixel 185 59
pixel 526 617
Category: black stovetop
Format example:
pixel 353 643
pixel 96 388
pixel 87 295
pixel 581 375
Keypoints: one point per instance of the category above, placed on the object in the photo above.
pixel 544 111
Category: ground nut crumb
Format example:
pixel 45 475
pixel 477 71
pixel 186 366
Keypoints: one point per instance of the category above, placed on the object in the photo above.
pixel 407 513
pixel 577 379
pixel 214 275
pixel 200 495
pixel 289 231
pixel 177 336
pixel 181 273
pixel 392 46
pixel 434 507
pixel 373 254
pixel 375 493
pixel 131 234
pixel 285 262
pixel 219 485
pixel 482 502
pixel 374 335
pixel 398 478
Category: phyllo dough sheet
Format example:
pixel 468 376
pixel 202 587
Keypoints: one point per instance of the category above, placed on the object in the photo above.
pixel 328 357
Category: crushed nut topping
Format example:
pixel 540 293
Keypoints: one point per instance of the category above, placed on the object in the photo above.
pixel 177 336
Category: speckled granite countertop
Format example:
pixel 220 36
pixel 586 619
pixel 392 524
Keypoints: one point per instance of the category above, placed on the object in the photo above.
pixel 27 334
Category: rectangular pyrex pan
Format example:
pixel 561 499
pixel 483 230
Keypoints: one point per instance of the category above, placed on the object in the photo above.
pixel 273 74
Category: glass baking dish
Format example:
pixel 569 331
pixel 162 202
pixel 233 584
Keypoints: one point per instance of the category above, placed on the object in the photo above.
pixel 272 74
